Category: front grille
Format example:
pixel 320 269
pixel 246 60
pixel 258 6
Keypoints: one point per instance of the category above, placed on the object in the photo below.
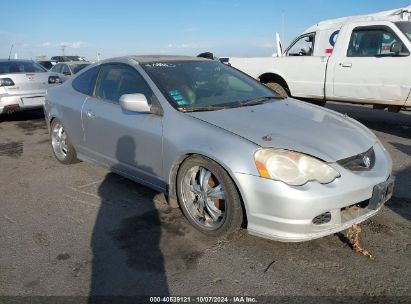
pixel 360 162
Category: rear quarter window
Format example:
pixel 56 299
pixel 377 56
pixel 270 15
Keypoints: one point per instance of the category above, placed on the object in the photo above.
pixel 84 83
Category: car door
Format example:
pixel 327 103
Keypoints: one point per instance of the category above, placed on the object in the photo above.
pixel 125 141
pixel 82 88
pixel 367 70
pixel 303 70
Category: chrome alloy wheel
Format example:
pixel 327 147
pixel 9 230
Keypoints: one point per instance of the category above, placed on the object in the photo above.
pixel 204 198
pixel 59 141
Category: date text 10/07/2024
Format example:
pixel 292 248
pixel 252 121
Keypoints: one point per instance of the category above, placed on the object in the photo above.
pixel 239 299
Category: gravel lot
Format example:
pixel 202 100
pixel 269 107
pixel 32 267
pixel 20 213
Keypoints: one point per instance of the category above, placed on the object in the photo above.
pixel 79 230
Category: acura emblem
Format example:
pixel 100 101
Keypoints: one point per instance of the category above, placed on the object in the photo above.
pixel 367 161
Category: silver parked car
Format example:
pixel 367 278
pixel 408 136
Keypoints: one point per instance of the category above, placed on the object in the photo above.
pixel 23 85
pixel 68 69
pixel 224 147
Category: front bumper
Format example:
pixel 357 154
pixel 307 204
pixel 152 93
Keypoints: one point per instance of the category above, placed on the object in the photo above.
pixel 21 102
pixel 285 213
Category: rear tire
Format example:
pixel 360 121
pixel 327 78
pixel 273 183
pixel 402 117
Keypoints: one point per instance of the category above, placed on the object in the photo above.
pixel 62 148
pixel 208 197
pixel 278 88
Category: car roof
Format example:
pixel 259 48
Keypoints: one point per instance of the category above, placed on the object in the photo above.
pixel 394 15
pixel 157 58
pixel 75 62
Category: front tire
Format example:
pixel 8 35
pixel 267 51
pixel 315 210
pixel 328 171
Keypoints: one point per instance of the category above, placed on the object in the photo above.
pixel 62 148
pixel 208 197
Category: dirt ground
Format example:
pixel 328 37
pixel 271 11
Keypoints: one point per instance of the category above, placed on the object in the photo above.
pixel 79 230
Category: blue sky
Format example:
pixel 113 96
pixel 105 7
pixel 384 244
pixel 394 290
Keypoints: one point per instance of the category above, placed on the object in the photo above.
pixel 114 28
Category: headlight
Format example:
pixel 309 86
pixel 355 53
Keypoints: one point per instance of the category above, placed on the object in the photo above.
pixel 293 168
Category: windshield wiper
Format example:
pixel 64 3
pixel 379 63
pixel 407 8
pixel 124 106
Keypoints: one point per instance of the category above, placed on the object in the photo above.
pixel 257 101
pixel 201 109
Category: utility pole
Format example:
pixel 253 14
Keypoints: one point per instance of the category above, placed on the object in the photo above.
pixel 283 27
pixel 63 49
pixel 11 50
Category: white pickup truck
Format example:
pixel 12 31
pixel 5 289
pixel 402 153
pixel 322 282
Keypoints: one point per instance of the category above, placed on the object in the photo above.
pixel 361 59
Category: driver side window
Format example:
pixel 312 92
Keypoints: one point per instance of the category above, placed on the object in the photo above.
pixel 115 80
pixel 303 46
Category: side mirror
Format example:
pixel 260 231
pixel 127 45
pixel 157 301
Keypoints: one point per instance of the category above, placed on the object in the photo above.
pixel 396 48
pixel 135 103
pixel 67 73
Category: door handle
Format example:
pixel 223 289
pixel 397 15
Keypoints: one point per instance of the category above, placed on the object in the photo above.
pixel 346 65
pixel 90 114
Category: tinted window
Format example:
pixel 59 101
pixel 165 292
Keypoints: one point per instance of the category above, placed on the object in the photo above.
pixel 84 83
pixel 57 68
pixel 65 69
pixel 78 67
pixel 12 67
pixel 60 58
pixel 302 47
pixel 405 27
pixel 116 80
pixel 47 64
pixel 373 43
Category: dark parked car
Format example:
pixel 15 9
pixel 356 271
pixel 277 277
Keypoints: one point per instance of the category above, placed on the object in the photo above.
pixel 67 58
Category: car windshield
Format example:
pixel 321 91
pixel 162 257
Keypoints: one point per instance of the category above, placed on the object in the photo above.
pixel 47 64
pixel 405 27
pixel 13 67
pixel 78 67
pixel 206 85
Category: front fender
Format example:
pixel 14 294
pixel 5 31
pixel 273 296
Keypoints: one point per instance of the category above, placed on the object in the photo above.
pixel 194 136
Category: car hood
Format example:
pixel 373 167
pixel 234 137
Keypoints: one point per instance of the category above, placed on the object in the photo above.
pixel 295 125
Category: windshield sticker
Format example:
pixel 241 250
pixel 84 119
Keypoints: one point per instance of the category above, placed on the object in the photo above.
pixel 160 65
pixel 178 97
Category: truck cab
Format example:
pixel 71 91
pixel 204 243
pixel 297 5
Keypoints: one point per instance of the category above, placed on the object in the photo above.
pixel 361 59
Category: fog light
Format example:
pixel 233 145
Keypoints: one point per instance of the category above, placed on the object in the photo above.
pixel 322 219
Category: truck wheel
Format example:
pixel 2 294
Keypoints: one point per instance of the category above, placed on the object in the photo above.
pixel 278 88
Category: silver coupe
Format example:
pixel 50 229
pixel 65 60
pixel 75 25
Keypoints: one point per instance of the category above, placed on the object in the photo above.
pixel 224 148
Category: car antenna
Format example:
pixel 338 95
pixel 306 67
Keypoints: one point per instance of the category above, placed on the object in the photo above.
pixel 11 50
